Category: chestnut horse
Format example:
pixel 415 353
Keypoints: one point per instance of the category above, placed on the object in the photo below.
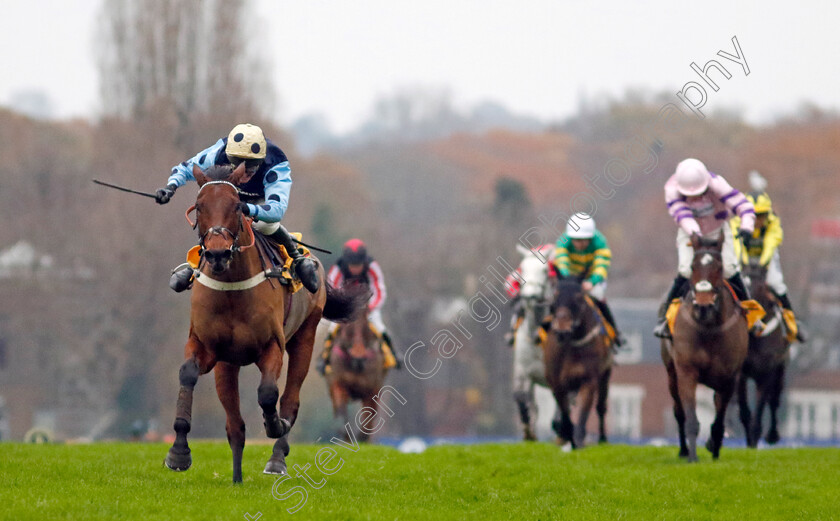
pixel 766 361
pixel 709 346
pixel 239 318
pixel 357 369
pixel 578 358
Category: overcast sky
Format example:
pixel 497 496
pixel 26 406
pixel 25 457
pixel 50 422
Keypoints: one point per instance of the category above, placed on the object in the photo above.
pixel 537 57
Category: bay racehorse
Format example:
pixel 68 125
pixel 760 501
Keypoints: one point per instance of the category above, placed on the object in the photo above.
pixel 239 318
pixel 357 369
pixel 528 364
pixel 709 345
pixel 766 361
pixel 578 358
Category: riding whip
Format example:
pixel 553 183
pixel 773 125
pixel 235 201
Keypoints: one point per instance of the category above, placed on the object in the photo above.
pixel 328 252
pixel 129 190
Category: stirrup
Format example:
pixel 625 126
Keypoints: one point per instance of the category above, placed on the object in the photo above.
pixel 275 272
pixel 662 330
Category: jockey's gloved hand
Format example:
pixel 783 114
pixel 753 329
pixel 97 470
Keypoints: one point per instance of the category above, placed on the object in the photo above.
pixel 243 207
pixel 163 195
pixel 746 237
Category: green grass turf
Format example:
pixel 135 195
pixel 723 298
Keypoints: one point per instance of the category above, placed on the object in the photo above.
pixel 504 481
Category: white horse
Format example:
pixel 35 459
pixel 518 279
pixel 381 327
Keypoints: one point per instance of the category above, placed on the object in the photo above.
pixel 528 367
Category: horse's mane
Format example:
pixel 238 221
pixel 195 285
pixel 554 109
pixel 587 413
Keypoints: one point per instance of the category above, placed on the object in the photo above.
pixel 219 172
pixel 567 290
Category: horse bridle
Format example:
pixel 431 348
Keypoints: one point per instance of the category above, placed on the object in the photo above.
pixel 706 285
pixel 222 230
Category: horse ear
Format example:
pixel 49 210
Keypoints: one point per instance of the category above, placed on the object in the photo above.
pixel 695 241
pixel 200 178
pixel 522 250
pixel 238 174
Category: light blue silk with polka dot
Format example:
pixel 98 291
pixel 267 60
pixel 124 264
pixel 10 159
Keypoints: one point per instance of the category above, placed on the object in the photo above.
pixel 277 182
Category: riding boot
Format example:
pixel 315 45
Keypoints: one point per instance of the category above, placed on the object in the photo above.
pixel 386 339
pixel 181 278
pixel 678 290
pixel 605 310
pixel 303 267
pixel 801 335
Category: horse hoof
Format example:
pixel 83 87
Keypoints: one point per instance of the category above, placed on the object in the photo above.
pixel 602 439
pixel 178 461
pixel 567 447
pixel 683 453
pixel 692 459
pixel 710 446
pixel 772 437
pixel 275 468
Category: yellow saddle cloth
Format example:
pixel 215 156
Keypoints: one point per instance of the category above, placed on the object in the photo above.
pixel 751 309
pixel 389 360
pixel 289 280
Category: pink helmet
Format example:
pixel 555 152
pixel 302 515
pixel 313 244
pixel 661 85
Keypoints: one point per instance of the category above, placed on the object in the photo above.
pixel 692 177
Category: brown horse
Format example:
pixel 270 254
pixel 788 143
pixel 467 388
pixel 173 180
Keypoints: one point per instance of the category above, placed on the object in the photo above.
pixel 357 369
pixel 578 358
pixel 766 361
pixel 709 347
pixel 239 318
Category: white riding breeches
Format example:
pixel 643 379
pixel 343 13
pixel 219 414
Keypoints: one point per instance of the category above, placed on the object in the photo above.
pixel 775 279
pixel 599 291
pixel 266 228
pixel 685 252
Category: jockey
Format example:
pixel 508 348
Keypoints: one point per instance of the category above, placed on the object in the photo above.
pixel 701 203
pixel 763 248
pixel 265 194
pixel 583 253
pixel 356 267
pixel 513 286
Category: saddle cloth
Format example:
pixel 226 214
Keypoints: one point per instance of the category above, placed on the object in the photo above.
pixel 749 308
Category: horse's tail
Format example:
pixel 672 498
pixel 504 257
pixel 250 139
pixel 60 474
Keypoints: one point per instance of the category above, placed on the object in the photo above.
pixel 345 304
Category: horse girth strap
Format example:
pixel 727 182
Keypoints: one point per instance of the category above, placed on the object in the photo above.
pixel 242 285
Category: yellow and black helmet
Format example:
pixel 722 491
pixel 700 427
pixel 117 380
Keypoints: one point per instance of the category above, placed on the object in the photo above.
pixel 246 141
pixel 761 202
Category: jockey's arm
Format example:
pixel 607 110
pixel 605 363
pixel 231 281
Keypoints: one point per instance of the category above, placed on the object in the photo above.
pixel 377 286
pixel 512 284
pixel 278 185
pixel 740 252
pixel 561 257
pixel 603 259
pixel 772 240
pixel 334 276
pixel 735 201
pixel 680 211
pixel 182 173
